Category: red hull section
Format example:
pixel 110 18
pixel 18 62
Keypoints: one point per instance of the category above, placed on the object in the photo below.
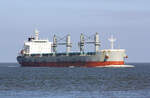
pixel 67 64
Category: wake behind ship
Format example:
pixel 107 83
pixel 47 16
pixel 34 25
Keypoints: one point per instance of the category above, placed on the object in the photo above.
pixel 43 53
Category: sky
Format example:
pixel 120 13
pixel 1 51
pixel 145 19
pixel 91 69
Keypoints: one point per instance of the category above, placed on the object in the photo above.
pixel 127 20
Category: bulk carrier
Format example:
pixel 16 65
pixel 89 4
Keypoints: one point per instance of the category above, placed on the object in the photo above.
pixel 43 53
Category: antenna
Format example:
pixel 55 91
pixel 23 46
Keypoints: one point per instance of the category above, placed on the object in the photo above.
pixel 112 40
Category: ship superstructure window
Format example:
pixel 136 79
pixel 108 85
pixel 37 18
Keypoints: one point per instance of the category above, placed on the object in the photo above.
pixel 27 49
pixel 40 41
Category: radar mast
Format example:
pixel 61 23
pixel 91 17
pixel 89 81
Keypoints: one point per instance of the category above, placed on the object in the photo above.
pixel 112 40
pixel 36 34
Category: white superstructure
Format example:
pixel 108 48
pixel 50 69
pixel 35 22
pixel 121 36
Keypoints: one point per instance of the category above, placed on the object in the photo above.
pixel 113 54
pixel 34 45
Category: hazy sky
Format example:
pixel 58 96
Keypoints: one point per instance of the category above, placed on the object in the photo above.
pixel 128 20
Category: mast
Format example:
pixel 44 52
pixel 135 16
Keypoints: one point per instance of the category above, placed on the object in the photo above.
pixel 112 40
pixel 81 43
pixel 36 34
pixel 97 42
pixel 54 44
pixel 94 39
pixel 68 43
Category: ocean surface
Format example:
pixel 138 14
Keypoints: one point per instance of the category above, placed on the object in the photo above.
pixel 46 82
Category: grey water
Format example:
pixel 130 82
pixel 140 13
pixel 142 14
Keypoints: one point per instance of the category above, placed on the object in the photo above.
pixel 46 82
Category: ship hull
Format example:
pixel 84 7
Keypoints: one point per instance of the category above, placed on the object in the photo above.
pixel 97 60
pixel 70 64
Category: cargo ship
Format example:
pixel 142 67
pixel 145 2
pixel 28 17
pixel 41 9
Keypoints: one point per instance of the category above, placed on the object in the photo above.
pixel 37 52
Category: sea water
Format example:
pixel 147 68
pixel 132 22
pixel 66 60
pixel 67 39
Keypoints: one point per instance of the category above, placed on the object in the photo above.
pixel 46 82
